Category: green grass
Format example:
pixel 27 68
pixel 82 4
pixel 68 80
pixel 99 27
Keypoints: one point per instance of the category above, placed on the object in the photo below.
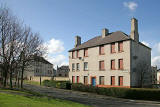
pixel 31 82
pixel 12 100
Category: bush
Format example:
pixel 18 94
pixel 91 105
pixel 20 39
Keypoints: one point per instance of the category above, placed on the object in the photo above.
pixel 131 93
pixel 57 84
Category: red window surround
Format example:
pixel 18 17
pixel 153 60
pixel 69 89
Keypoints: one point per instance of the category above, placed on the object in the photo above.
pixel 73 79
pixel 77 54
pixel 101 65
pixel 85 52
pixel 113 48
pixel 120 80
pixel 121 64
pixel 73 54
pixel 101 50
pixel 77 79
pixel 120 46
pixel 112 80
pixel 113 65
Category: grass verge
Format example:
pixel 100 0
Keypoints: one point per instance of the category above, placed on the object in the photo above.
pixel 18 100
pixel 31 82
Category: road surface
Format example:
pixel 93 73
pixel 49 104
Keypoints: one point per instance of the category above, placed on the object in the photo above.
pixel 91 99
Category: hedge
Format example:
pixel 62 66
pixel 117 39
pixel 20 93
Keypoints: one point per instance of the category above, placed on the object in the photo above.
pixel 130 93
pixel 57 84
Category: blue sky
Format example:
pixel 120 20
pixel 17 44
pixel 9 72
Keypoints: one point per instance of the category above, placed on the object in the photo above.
pixel 59 21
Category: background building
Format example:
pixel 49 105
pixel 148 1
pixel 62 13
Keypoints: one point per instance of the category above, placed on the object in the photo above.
pixel 158 76
pixel 111 60
pixel 154 74
pixel 38 67
pixel 62 71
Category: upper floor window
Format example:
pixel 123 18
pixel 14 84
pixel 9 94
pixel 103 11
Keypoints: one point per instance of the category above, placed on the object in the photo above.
pixel 101 50
pixel 77 54
pixel 113 64
pixel 113 48
pixel 73 54
pixel 73 67
pixel 120 63
pixel 85 66
pixel 120 46
pixel 78 67
pixel 85 52
pixel 101 65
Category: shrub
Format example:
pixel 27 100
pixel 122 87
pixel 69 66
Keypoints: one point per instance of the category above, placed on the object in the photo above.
pixel 131 93
pixel 57 84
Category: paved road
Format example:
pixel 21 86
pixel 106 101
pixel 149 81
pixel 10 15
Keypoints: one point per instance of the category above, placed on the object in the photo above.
pixel 90 99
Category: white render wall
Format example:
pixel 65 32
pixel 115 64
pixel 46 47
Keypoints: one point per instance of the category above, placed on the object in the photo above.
pixel 93 64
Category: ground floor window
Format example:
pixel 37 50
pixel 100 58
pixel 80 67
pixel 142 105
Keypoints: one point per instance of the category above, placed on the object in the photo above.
pixel 77 79
pixel 101 80
pixel 112 80
pixel 120 80
pixel 85 80
pixel 73 79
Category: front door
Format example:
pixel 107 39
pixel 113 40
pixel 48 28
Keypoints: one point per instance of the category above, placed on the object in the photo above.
pixel 93 81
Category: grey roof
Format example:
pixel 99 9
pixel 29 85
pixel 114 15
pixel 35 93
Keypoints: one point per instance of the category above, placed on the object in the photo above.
pixel 96 41
pixel 40 59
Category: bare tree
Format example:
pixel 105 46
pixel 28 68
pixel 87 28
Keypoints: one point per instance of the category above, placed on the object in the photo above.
pixel 31 45
pixel 17 44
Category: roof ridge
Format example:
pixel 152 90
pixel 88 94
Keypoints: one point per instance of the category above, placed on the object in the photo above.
pixel 98 40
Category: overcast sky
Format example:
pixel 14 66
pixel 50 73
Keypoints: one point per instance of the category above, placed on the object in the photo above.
pixel 59 21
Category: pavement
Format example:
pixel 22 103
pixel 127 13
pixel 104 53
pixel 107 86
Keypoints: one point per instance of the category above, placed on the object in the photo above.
pixel 91 99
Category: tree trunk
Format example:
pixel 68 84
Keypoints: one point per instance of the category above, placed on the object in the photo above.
pixel 40 80
pixel 18 81
pixel 5 79
pixel 11 80
pixel 22 74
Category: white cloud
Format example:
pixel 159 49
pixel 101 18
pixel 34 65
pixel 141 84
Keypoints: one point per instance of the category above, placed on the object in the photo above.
pixel 57 60
pixel 54 46
pixel 156 53
pixel 156 61
pixel 157 46
pixel 54 52
pixel 130 5
pixel 145 43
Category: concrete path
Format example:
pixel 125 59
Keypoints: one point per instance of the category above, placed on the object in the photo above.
pixel 89 98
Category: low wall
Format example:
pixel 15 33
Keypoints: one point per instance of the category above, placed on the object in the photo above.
pixel 37 79
pixel 61 78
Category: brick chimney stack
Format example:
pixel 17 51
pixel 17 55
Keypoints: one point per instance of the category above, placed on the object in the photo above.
pixel 77 41
pixel 104 32
pixel 134 30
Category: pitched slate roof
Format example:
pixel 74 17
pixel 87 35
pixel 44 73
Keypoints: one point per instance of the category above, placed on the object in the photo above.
pixel 40 59
pixel 96 41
